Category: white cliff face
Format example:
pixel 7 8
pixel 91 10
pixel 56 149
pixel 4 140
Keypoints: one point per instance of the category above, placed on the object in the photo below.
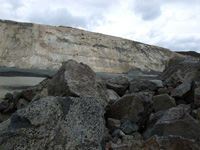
pixel 27 45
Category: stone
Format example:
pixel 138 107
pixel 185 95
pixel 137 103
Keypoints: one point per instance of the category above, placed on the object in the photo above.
pixel 119 89
pixel 10 108
pixel 128 128
pixel 4 126
pixel 135 107
pixel 159 83
pixel 163 102
pixel 1 120
pixel 77 80
pixel 180 69
pixel 3 105
pixel 178 102
pixel 182 91
pixel 170 143
pixel 119 80
pixel 16 97
pixel 22 103
pixel 113 96
pixel 119 133
pixel 174 121
pixel 29 94
pixel 137 136
pixel 8 96
pixel 56 123
pixel 163 91
pixel 137 85
pixel 197 97
pixel 198 114
pixel 113 124
pixel 186 107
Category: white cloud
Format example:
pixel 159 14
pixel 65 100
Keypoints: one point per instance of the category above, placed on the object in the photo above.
pixel 173 24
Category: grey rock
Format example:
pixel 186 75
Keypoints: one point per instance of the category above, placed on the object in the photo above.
pixel 197 97
pixel 77 79
pixel 137 136
pixel 2 105
pixel 113 96
pixel 198 114
pixel 135 107
pixel 119 80
pixel 16 97
pixel 163 91
pixel 163 102
pixel 170 143
pixel 1 120
pixel 56 123
pixel 178 102
pixel 118 133
pixel 29 94
pixel 22 103
pixel 4 126
pixel 186 107
pixel 113 124
pixel 119 89
pixel 159 83
pixel 183 90
pixel 9 96
pixel 128 128
pixel 137 85
pixel 174 121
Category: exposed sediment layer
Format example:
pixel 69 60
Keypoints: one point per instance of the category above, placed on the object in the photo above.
pixel 27 45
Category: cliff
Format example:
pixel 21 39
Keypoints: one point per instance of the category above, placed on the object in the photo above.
pixel 27 45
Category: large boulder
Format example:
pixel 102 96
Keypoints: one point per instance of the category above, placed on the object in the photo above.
pixel 175 121
pixel 170 143
pixel 133 107
pixel 163 102
pixel 56 123
pixel 77 79
pixel 180 69
pixel 138 85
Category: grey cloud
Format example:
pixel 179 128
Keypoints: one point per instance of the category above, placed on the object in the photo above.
pixel 190 43
pixel 149 10
pixel 57 17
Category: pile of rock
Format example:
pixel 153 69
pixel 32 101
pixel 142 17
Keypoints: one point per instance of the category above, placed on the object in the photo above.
pixel 77 110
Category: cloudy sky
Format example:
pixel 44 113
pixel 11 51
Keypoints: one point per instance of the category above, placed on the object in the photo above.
pixel 174 24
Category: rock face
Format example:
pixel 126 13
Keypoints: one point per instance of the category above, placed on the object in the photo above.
pixel 56 123
pixel 77 79
pixel 175 121
pixel 133 107
pixel 27 45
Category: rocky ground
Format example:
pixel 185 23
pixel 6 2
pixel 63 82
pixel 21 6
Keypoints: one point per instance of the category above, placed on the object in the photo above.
pixel 76 109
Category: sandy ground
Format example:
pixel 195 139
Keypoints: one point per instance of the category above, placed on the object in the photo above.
pixel 11 84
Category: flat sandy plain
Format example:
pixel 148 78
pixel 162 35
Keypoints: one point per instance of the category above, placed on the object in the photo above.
pixel 11 84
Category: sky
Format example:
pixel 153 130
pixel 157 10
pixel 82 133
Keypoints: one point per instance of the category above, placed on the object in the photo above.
pixel 173 24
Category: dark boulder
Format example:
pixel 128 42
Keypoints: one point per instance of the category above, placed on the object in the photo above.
pixel 56 123
pixel 134 107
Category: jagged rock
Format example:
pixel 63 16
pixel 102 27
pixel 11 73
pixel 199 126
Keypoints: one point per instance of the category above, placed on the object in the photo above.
pixel 1 120
pixel 174 121
pixel 56 123
pixel 8 96
pixel 4 126
pixel 163 91
pixel 184 91
pixel 142 85
pixel 30 93
pixel 113 124
pixel 197 97
pixel 147 94
pixel 119 80
pixel 186 107
pixel 134 107
pixel 158 83
pixel 22 103
pixel 119 133
pixel 77 79
pixel 180 69
pixel 170 143
pixel 137 136
pixel 163 102
pixel 3 105
pixel 113 96
pixel 42 94
pixel 128 128
pixel 178 102
pixel 119 89
pixel 10 108
pixel 16 97
pixel 198 114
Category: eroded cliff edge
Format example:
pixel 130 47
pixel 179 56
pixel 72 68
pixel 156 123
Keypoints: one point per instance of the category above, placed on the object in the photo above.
pixel 27 45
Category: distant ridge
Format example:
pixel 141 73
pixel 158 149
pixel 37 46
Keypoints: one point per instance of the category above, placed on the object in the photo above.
pixel 189 53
